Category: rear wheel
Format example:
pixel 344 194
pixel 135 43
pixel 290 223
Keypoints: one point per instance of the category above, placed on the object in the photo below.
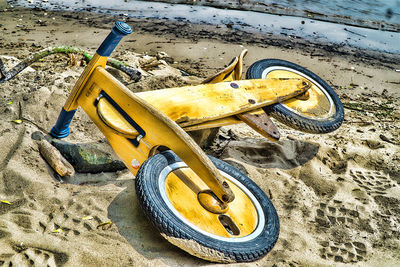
pixel 169 195
pixel 319 110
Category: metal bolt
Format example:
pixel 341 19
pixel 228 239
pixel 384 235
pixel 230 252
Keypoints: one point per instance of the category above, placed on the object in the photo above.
pixel 225 184
pixel 234 85
pixel 252 101
pixel 225 198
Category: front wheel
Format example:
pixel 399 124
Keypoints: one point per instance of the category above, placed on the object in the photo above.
pixel 317 111
pixel 168 192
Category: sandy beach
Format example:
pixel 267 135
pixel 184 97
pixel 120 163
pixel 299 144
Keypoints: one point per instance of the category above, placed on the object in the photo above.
pixel 337 195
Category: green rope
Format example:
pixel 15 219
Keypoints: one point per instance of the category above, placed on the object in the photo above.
pixel 133 73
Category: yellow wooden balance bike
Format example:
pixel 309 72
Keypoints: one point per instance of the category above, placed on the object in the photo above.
pixel 199 203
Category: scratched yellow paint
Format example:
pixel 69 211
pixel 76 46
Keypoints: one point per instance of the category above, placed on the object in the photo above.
pixel 196 104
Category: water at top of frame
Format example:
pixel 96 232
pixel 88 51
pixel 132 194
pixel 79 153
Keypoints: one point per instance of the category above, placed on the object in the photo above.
pixel 307 28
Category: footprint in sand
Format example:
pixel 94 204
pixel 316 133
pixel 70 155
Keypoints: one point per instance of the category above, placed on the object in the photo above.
pixel 373 182
pixel 33 257
pixel 335 161
pixel 6 207
pixel 388 220
pixel 62 220
pixel 71 219
pixel 340 220
pixel 335 213
pixel 347 252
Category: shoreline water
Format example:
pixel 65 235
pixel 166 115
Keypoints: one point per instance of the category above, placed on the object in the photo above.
pixel 382 15
pixel 252 22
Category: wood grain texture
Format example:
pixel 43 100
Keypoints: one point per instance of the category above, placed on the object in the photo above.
pixel 196 104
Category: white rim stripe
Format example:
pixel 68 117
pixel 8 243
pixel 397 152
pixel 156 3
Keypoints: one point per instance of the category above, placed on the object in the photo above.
pixel 261 218
pixel 331 104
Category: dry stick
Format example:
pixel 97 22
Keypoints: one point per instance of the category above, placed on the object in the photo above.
pixel 351 108
pixel 35 124
pixel 150 65
pixel 362 35
pixel 5 76
pixel 21 117
pixel 370 121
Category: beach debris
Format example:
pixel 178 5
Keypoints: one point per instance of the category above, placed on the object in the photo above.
pixel 374 144
pixel 87 218
pixel 17 121
pixel 9 103
pixel 54 158
pixel 355 33
pixel 88 157
pixel 384 138
pixel 151 65
pixel 5 202
pixel 104 225
pixel 75 59
pixel 389 13
pixel 165 57
pixel 148 62
pixel 58 230
pixel 133 73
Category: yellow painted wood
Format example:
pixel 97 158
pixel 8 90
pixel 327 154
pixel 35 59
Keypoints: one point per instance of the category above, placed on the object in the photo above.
pixel 239 66
pixel 213 124
pixel 315 105
pixel 196 104
pixel 220 122
pixel 183 196
pixel 96 61
pixel 156 112
pixel 160 130
pixel 233 72
pixel 113 119
pixel 227 74
pixel 211 203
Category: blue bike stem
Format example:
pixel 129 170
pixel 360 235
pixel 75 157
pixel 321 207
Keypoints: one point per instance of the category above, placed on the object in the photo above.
pixel 61 129
pixel 120 29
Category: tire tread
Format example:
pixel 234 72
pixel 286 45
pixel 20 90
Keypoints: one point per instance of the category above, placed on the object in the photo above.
pixel 158 219
pixel 286 116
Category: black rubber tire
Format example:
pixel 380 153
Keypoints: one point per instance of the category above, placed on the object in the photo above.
pixel 283 114
pixel 172 228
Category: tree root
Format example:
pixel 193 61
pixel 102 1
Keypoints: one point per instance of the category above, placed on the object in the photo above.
pixel 133 73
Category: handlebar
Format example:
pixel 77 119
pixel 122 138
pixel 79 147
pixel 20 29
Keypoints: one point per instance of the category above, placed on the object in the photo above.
pixel 119 30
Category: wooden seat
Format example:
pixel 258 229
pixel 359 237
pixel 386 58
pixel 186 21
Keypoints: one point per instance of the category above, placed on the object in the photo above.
pixel 113 119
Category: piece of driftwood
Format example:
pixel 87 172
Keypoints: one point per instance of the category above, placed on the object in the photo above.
pixel 54 158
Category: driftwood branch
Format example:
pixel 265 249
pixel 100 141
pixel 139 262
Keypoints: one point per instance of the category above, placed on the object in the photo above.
pixel 54 158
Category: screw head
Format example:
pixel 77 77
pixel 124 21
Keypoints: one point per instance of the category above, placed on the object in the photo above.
pixel 234 85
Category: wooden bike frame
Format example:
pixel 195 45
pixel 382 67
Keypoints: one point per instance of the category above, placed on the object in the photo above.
pixel 137 124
